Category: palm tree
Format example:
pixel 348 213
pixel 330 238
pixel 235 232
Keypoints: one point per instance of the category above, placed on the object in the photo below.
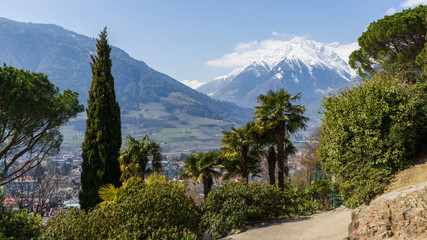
pixel 266 138
pixel 277 111
pixel 203 167
pixel 241 143
pixel 134 159
pixel 233 165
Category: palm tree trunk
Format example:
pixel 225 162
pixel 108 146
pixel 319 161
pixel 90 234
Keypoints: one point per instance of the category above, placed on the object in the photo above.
pixel 207 185
pixel 142 164
pixel 244 158
pixel 280 136
pixel 271 160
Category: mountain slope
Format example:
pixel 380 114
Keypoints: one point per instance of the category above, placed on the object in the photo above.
pixel 64 56
pixel 298 65
pixel 151 102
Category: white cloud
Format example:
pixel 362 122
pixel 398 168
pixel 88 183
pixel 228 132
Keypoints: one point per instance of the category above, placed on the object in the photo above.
pixel 283 36
pixel 413 3
pixel 246 53
pixel 192 83
pixel 390 11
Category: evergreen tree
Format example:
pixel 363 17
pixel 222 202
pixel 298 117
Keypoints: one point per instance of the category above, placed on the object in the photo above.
pixel 392 44
pixel 102 141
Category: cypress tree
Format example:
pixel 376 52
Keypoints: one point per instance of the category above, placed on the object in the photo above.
pixel 102 141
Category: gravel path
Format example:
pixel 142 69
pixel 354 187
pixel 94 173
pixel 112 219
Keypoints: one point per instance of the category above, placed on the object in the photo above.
pixel 325 226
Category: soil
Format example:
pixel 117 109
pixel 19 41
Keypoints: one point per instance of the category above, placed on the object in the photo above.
pixel 413 175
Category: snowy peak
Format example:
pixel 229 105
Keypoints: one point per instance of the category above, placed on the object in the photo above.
pixel 310 53
pixel 296 53
pixel 298 65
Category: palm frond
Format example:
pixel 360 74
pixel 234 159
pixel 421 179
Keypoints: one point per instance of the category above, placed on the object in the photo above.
pixel 108 192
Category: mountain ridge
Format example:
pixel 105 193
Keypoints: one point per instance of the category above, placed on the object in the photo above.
pixel 151 102
pixel 63 55
pixel 298 65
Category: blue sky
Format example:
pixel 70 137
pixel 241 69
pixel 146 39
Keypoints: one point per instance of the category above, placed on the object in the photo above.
pixel 181 37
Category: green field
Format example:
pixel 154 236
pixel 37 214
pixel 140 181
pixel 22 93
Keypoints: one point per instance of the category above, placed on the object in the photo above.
pixel 176 132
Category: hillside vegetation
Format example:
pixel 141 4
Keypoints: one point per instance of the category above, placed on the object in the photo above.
pixel 371 130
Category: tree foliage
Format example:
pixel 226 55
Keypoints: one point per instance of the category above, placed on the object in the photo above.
pixel 276 110
pixel 368 132
pixel 203 167
pixel 134 160
pixel 392 44
pixel 102 140
pixel 31 112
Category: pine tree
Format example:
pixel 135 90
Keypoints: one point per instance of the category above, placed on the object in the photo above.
pixel 102 141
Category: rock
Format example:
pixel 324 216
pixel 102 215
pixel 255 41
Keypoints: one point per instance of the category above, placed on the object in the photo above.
pixel 207 236
pixel 396 215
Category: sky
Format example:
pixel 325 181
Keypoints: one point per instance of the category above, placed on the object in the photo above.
pixel 187 39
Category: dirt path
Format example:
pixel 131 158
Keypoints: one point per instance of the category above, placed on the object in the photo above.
pixel 326 226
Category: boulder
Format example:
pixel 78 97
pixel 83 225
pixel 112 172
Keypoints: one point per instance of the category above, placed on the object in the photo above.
pixel 395 215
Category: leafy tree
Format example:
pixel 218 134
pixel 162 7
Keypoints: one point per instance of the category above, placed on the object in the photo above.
pixel 277 111
pixel 240 143
pixel 392 44
pixel 203 167
pixel 102 141
pixel 368 133
pixel 31 112
pixel 134 159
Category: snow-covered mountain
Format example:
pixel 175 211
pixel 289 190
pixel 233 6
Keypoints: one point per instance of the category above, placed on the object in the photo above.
pixel 299 65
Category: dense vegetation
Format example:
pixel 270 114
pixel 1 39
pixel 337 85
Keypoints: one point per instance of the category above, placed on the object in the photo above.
pixel 234 204
pixel 18 225
pixel 370 130
pixel 159 210
pixel 372 127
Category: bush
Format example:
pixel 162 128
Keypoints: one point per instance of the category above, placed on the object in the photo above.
pixel 155 211
pixel 234 204
pixel 18 225
pixel 368 133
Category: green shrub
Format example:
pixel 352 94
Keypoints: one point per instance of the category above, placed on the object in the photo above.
pixel 368 133
pixel 232 205
pixel 18 225
pixel 155 211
